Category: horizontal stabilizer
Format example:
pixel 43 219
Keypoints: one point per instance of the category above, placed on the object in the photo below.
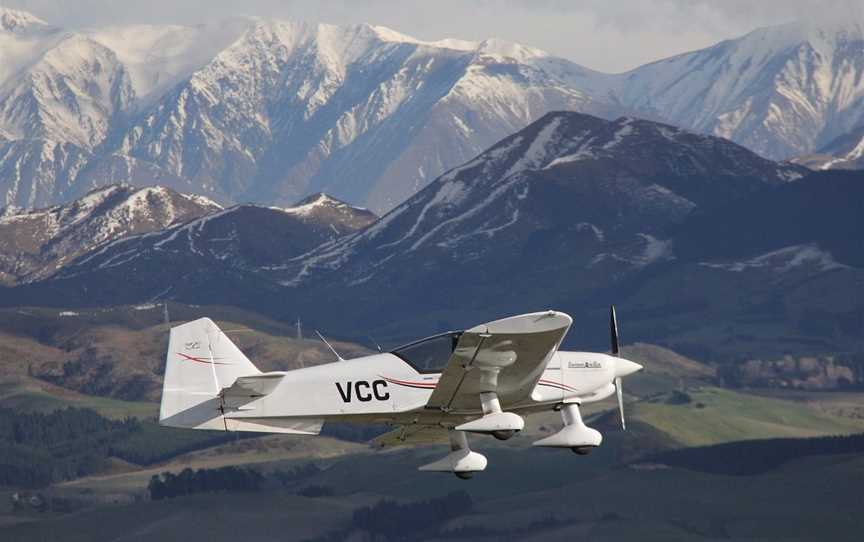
pixel 290 426
pixel 253 386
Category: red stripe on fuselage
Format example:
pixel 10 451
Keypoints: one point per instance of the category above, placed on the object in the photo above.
pixel 407 384
pixel 554 384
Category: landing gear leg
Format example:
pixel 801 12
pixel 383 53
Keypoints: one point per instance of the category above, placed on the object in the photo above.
pixel 461 461
pixel 495 422
pixel 575 434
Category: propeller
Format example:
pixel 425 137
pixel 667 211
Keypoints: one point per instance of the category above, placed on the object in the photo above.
pixel 613 336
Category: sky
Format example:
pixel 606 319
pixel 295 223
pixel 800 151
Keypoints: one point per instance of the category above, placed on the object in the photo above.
pixel 606 35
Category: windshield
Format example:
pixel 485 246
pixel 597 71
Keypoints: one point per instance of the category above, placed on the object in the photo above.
pixel 430 355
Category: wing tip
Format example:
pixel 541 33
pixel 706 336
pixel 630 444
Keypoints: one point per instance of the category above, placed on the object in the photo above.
pixel 532 322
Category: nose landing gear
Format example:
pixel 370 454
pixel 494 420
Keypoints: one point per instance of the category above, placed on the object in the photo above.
pixel 575 434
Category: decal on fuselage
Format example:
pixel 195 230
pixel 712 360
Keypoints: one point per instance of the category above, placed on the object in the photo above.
pixel 363 391
pixel 584 365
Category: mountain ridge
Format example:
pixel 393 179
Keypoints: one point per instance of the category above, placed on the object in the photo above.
pixel 573 212
pixel 269 111
pixel 35 243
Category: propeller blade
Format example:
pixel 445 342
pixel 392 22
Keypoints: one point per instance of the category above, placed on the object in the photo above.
pixel 613 330
pixel 620 393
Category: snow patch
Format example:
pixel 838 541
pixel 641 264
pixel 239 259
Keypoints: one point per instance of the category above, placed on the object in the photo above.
pixel 784 260
pixel 587 226
pixel 537 153
pixel 625 130
pixel 655 250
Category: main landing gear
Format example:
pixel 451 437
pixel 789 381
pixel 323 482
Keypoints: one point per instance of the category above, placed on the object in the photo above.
pixel 461 461
pixel 495 422
pixel 575 434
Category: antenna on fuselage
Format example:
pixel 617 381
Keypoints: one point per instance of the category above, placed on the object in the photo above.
pixel 340 358
pixel 378 346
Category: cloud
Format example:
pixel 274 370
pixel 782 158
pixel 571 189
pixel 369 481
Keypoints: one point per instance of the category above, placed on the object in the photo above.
pixel 607 35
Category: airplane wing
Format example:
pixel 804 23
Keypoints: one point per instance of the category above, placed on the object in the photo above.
pixel 505 356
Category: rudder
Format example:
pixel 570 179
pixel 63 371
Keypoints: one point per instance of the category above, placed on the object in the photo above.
pixel 201 361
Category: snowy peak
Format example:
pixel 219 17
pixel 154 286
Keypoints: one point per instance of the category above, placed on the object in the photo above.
pixel 34 243
pixel 781 91
pixel 232 242
pixel 213 107
pixel 71 94
pixel 653 149
pixel 337 214
pixel 509 49
pixel 263 110
pixel 319 201
pixel 568 139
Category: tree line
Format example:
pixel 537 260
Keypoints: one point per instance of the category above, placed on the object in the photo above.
pixel 189 482
pixel 38 449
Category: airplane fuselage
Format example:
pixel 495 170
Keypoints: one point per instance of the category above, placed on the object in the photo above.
pixel 383 387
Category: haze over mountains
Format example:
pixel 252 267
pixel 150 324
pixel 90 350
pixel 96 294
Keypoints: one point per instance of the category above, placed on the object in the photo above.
pixel 271 111
pixel 572 212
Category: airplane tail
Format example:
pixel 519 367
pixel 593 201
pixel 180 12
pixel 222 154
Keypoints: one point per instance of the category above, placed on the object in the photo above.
pixel 201 362
pixel 210 384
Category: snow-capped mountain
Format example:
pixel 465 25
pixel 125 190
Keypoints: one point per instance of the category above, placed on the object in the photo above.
pixel 359 111
pixel 34 244
pixel 625 180
pixel 215 255
pixel 782 91
pixel 694 236
pixel 270 111
pixel 36 172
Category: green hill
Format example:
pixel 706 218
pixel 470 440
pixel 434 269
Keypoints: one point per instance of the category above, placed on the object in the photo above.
pixel 708 415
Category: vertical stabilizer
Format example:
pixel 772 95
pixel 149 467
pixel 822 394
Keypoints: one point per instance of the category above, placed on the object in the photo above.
pixel 201 361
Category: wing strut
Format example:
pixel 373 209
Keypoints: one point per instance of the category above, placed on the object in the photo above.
pixel 466 367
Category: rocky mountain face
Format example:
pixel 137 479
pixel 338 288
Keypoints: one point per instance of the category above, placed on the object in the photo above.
pixel 215 258
pixel 270 111
pixel 778 272
pixel 844 152
pixel 34 244
pixel 598 193
pixel 266 111
pixel 557 214
pixel 782 91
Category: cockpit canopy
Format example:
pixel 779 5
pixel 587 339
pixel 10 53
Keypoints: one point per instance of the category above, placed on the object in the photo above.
pixel 429 355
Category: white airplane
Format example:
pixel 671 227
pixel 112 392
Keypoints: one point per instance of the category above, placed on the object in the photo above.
pixel 481 380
